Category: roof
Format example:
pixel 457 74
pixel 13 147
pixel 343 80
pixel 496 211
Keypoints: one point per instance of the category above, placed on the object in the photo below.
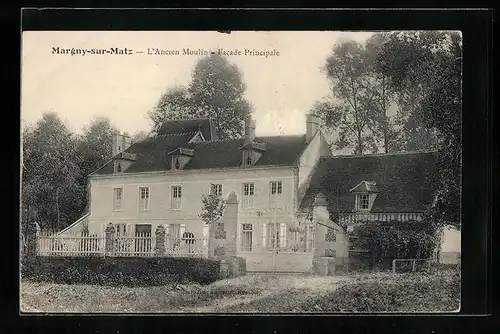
pixel 152 153
pixel 187 127
pixel 406 182
pixel 365 186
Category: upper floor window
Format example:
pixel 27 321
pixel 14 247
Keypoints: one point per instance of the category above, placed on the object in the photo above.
pixel 176 198
pixel 216 189
pixel 249 160
pixel 143 198
pixel 247 200
pixel 362 201
pixel 117 198
pixel 275 191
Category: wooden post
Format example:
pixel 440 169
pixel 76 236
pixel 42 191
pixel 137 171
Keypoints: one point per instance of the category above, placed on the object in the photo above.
pixel 394 266
pixel 413 267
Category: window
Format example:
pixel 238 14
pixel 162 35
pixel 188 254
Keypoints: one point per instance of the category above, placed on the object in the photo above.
pixel 216 189
pixel 246 237
pixel 362 201
pixel 175 202
pixel 249 160
pixel 275 191
pixel 177 164
pixel 120 230
pixel 248 195
pixel 119 168
pixel 117 199
pixel 143 198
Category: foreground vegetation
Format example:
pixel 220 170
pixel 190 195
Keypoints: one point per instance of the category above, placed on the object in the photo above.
pixel 381 292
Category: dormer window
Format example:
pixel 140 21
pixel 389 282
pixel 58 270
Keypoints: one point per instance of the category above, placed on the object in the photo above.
pixel 365 194
pixel 180 157
pixel 119 167
pixel 363 201
pixel 249 160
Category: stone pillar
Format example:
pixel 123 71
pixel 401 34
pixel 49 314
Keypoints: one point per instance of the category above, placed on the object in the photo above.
pixel 321 217
pixel 109 245
pixel 160 241
pixel 230 218
pixel 33 232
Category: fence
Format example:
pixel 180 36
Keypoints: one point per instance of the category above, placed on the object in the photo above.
pixel 138 245
pixel 352 218
pixel 50 244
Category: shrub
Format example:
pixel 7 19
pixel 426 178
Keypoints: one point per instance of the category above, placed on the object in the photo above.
pixel 122 271
pixel 385 241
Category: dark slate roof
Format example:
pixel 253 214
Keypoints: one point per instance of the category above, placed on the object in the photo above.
pixel 406 182
pixel 152 153
pixel 187 127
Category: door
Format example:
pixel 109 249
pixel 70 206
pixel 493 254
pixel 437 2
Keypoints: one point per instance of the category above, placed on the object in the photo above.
pixel 143 238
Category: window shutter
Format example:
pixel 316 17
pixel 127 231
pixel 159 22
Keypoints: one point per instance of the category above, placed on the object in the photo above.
pixel 283 235
pixel 182 230
pixel 264 235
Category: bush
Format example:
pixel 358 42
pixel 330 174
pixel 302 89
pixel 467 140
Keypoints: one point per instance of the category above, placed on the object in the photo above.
pixel 385 241
pixel 122 271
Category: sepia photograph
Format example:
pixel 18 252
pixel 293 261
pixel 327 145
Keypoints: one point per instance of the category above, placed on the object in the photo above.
pixel 233 172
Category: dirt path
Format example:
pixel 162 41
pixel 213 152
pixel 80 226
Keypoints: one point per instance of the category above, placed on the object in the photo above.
pixel 289 290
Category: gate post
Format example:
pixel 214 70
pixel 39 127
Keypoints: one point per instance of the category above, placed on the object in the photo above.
pixel 109 242
pixel 160 241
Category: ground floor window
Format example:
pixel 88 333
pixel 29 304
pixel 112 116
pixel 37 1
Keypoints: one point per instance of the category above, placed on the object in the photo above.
pixel 246 237
pixel 274 235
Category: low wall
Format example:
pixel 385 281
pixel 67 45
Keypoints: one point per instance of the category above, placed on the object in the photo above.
pixel 232 266
pixel 290 262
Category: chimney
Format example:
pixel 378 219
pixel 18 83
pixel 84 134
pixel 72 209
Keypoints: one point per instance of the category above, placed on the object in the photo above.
pixel 120 143
pixel 312 126
pixel 249 129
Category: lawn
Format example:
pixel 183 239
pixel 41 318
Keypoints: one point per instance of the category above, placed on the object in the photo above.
pixel 382 292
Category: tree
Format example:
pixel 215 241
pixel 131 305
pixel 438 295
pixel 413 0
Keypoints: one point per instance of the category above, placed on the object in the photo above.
pixel 426 70
pixel 49 178
pixel 94 149
pixel 407 59
pixel 353 100
pixel 216 90
pixel 138 136
pixel 212 209
pixel 173 104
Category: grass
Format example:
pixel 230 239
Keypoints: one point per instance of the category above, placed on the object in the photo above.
pixel 379 292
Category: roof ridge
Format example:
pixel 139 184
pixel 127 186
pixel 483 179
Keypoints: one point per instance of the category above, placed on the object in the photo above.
pixel 379 154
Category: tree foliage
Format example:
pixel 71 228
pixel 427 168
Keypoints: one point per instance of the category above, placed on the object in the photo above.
pixel 216 90
pixel 212 209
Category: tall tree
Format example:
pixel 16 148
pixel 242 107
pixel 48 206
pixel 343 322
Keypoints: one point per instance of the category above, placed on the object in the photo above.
pixel 173 104
pixel 216 90
pixel 94 150
pixel 407 59
pixel 426 68
pixel 352 103
pixel 49 171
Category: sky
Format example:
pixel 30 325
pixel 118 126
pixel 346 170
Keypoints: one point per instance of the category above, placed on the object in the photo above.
pixel 124 88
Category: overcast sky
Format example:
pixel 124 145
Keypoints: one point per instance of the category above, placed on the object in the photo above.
pixel 123 88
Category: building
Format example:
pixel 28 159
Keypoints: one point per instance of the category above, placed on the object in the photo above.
pixel 278 188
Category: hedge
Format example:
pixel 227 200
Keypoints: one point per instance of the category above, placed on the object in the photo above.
pixel 121 271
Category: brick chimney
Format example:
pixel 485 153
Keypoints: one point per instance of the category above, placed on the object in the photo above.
pixel 249 129
pixel 120 143
pixel 312 126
